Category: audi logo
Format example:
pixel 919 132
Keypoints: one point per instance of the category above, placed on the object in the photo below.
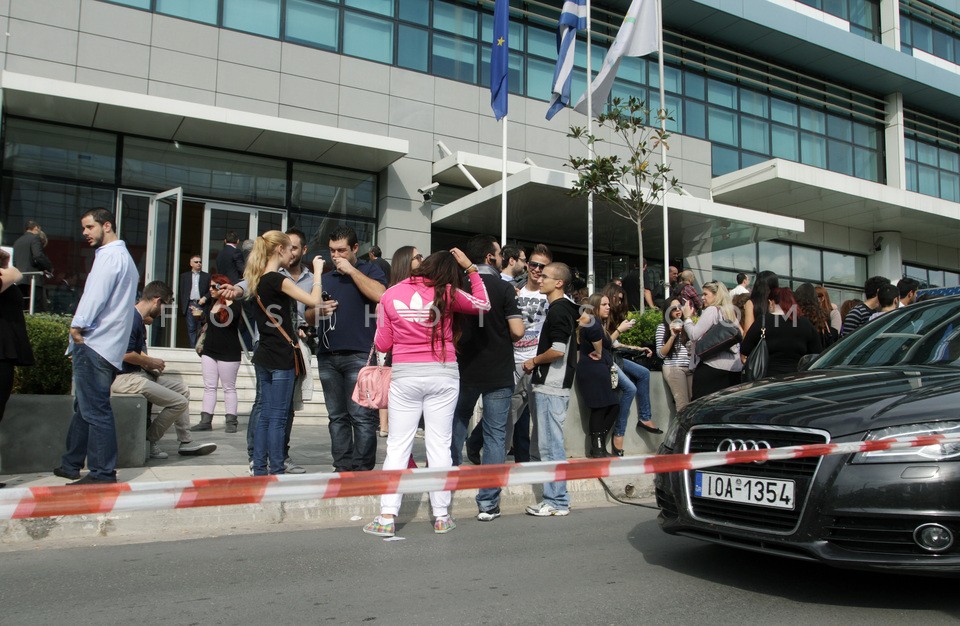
pixel 741 445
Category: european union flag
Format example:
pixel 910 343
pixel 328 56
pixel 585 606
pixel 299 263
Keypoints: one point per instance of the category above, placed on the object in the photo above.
pixel 500 58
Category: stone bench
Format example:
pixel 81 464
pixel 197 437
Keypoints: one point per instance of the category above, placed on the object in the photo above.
pixel 33 432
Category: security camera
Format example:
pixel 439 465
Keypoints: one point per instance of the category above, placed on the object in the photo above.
pixel 427 190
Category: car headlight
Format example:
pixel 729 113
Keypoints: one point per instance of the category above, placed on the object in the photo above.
pixel 937 452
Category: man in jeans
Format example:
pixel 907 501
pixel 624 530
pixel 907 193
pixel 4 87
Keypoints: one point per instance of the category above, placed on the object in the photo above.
pixel 345 339
pixel 553 368
pixel 143 374
pixel 98 340
pixel 485 360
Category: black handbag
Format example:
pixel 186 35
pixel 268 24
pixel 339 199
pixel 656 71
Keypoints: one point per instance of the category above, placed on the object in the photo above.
pixel 721 336
pixel 759 359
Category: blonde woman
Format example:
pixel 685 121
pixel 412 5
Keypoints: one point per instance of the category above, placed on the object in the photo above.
pixel 273 359
pixel 720 370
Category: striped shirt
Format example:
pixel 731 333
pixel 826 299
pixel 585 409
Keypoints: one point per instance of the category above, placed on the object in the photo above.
pixel 678 356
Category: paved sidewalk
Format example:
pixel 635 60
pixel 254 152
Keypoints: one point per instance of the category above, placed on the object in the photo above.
pixel 310 448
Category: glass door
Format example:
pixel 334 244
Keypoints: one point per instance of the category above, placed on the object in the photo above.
pixel 162 259
pixel 245 222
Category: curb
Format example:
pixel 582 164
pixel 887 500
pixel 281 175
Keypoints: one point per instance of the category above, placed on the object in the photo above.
pixel 149 526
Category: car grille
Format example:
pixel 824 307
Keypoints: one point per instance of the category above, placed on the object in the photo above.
pixel 883 535
pixel 666 504
pixel 707 439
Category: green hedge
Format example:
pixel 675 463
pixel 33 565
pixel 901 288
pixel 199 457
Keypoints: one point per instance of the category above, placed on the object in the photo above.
pixel 644 332
pixel 49 336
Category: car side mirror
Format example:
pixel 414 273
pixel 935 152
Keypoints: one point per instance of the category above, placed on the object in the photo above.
pixel 806 361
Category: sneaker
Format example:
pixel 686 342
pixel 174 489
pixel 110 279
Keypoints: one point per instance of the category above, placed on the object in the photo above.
pixel 544 509
pixel 290 467
pixel 382 433
pixel 444 525
pixel 156 452
pixel 419 434
pixel 251 468
pixel 381 527
pixel 489 516
pixel 188 448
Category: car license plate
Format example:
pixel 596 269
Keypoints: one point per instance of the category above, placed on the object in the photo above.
pixel 767 492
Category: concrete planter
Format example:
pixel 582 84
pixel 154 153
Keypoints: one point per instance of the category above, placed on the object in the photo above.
pixel 33 432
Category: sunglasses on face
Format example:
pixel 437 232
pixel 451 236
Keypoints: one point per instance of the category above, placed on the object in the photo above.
pixel 535 265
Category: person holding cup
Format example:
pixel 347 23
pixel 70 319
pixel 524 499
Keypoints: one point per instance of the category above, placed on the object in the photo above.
pixel 671 343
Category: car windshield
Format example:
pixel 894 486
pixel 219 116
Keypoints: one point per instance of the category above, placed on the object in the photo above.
pixel 921 334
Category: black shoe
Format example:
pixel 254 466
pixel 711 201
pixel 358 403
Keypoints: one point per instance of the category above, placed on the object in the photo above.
pixel 650 429
pixel 196 449
pixel 473 455
pixel 90 480
pixel 62 473
pixel 489 516
pixel 201 426
pixel 616 451
pixel 598 448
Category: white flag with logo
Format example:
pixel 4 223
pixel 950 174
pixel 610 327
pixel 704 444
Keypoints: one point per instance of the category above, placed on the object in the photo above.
pixel 637 38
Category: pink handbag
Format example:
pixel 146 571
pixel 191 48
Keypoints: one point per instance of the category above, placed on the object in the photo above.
pixel 373 385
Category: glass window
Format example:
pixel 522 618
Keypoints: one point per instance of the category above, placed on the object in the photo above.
pixel 140 4
pixel 949 159
pixel 539 79
pixel 694 119
pixel 318 227
pixel 943 45
pixel 261 17
pixel 866 164
pixel 912 177
pixel 415 11
pixel 754 103
pixel 927 154
pixel 864 135
pixel 929 180
pixel 383 7
pixel 725 160
pixel 623 90
pixel 844 269
pixel 786 143
pixel 694 86
pixel 812 120
pixel 412 48
pixel 755 135
pixel 813 150
pixel 806 264
pixel 839 128
pixel 60 151
pixel 741 258
pixel 340 192
pixel 775 257
pixel 723 126
pixel 367 37
pixel 197 10
pixel 910 149
pixel 840 157
pixel 455 18
pixel 783 112
pixel 922 36
pixel 633 69
pixel 597 53
pixel 157 165
pixel 455 58
pixel 672 78
pixel 747 159
pixel 935 278
pixel 722 93
pixel 949 189
pixel 313 23
pixel 951 279
pixel 542 42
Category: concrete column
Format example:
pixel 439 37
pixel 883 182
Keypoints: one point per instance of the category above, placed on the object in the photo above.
pixel 404 216
pixel 890 23
pixel 894 143
pixel 887 258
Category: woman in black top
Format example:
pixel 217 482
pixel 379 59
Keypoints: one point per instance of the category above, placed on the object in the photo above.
pixel 220 357
pixel 593 372
pixel 788 335
pixel 273 359
pixel 14 344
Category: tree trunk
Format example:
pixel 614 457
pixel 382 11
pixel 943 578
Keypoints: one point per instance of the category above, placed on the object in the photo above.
pixel 643 299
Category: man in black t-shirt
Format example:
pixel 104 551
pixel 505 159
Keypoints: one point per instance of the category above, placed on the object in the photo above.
pixel 345 339
pixel 860 314
pixel 485 359
pixel 143 374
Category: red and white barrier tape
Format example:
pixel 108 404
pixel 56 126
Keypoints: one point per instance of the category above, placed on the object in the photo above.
pixel 19 503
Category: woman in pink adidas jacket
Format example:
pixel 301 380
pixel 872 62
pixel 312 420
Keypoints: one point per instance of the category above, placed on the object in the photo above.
pixel 415 320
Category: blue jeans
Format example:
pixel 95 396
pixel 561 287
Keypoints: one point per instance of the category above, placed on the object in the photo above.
pixel 634 382
pixel 92 435
pixel 551 414
pixel 276 391
pixel 193 324
pixel 496 412
pixel 353 428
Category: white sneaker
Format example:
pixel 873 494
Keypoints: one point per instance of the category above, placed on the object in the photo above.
pixel 289 467
pixel 156 452
pixel 543 509
pixel 196 449
pixel 251 468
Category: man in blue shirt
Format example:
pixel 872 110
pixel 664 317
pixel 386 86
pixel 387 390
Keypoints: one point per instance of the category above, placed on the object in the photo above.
pixel 143 374
pixel 98 340
pixel 346 337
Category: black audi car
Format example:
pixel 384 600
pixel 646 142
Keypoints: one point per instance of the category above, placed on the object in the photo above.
pixel 899 510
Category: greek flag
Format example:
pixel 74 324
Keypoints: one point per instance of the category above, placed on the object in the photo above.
pixel 573 17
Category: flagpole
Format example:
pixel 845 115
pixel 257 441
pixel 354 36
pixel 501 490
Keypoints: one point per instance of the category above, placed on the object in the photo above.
pixel 503 187
pixel 591 279
pixel 663 151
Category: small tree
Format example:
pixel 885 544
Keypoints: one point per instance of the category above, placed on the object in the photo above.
pixel 633 186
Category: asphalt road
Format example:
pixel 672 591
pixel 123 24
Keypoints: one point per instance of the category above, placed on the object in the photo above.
pixel 598 566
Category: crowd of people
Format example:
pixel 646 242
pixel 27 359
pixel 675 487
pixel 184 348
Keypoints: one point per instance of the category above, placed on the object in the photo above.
pixel 479 324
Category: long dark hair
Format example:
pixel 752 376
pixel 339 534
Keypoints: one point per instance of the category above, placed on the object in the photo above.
pixel 442 272
pixel 766 282
pixel 618 305
pixel 810 308
pixel 400 268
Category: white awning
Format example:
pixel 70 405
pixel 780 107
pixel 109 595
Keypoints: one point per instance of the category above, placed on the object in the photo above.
pixel 486 170
pixel 802 191
pixel 202 124
pixel 539 207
